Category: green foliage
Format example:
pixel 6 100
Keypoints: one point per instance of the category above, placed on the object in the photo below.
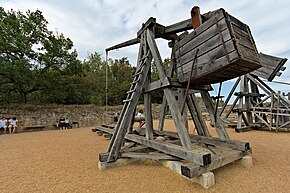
pixel 32 58
pixel 39 66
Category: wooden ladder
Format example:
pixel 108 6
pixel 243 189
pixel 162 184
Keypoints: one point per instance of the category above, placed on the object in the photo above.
pixel 130 103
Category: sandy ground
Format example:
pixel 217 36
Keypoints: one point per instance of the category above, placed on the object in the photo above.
pixel 66 161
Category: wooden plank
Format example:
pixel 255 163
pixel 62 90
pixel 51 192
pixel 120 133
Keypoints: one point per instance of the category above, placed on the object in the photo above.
pixel 230 95
pixel 150 155
pixel 196 115
pixel 271 65
pixel 161 83
pixel 124 44
pixel 155 53
pixel 192 86
pixel 162 113
pixel 178 27
pixel 240 106
pixel 245 40
pixel 148 111
pixel 192 170
pixel 211 36
pixel 249 55
pixel 170 73
pixel 248 103
pixel 233 144
pixel 198 156
pixel 182 105
pixel 205 66
pixel 210 22
pixel 205 48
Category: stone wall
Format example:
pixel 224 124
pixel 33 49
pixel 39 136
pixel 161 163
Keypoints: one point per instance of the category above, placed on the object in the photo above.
pixel 48 115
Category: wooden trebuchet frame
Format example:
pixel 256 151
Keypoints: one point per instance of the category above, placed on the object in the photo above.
pixel 267 111
pixel 198 153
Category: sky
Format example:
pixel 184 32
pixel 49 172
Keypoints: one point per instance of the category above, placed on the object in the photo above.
pixel 94 25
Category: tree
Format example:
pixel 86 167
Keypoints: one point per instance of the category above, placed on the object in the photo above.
pixel 95 78
pixel 31 56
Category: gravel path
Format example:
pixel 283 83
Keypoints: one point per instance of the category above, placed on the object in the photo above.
pixel 66 161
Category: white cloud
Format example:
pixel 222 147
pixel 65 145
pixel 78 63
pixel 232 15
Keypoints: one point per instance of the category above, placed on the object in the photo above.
pixel 94 25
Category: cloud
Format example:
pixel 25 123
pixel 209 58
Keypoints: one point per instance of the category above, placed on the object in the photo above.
pixel 94 25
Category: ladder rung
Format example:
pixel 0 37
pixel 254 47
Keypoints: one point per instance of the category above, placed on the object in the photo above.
pixel 144 57
pixel 130 91
pixel 140 67
pixel 135 81
pixel 127 100
pixel 138 73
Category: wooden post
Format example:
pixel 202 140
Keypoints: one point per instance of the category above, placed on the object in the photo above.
pixel 170 73
pixel 148 111
pixel 222 133
pixel 230 95
pixel 240 106
pixel 196 115
pixel 248 103
pixel 176 114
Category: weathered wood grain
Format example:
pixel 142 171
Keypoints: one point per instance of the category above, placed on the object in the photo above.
pixel 226 50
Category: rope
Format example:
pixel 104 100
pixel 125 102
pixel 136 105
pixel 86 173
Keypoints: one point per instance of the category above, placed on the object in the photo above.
pixel 106 109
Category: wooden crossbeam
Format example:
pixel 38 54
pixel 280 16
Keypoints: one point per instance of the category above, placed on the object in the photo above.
pixel 192 170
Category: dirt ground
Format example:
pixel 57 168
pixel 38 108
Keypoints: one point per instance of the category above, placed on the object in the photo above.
pixel 67 161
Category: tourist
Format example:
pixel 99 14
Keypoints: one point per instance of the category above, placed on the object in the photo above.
pixel 12 125
pixel 3 124
pixel 141 115
pixel 67 123
pixel 61 123
pixel 116 115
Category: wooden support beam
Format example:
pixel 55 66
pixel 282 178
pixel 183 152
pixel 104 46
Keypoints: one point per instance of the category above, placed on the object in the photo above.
pixel 124 44
pixel 196 115
pixel 240 106
pixel 161 83
pixel 170 73
pixel 233 144
pixel 248 103
pixel 196 155
pixel 162 114
pixel 192 170
pixel 176 114
pixel 178 27
pixel 150 155
pixel 230 95
pixel 222 133
pixel 148 111
pixel 168 82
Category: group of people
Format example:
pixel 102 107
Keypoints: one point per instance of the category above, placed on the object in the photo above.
pixel 64 123
pixel 11 124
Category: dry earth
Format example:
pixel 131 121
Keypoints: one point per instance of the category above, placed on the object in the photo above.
pixel 66 161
